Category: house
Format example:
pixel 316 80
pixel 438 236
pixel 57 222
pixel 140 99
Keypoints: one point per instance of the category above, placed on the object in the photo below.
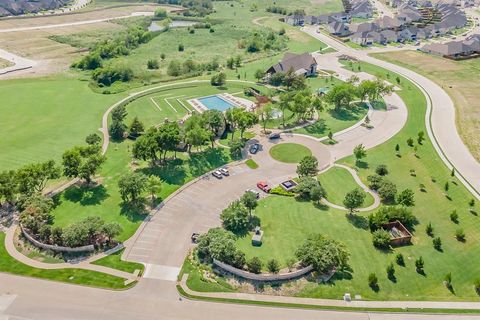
pixel 378 37
pixel 409 34
pixel 301 64
pixel 455 49
pixel 295 20
pixel 339 29
pixel 390 36
pixel 389 23
pixel 363 27
pixel 311 20
pixel 362 38
pixel 361 9
pixel 424 33
pixel 332 17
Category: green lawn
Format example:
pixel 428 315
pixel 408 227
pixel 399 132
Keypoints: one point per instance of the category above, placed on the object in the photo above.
pixel 197 282
pixel 337 182
pixel 114 261
pixel 73 276
pixel 41 118
pixel 335 121
pixel 289 152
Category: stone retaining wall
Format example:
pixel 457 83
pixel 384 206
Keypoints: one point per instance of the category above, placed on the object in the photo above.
pixel 55 248
pixel 262 277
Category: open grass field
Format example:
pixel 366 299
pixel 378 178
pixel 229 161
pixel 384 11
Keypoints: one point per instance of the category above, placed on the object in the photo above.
pixel 286 222
pixel 337 183
pixel 289 152
pixel 114 261
pixel 74 276
pixel 42 118
pixel 459 79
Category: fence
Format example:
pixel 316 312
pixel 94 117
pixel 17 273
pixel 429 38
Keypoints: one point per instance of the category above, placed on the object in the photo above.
pixel 55 248
pixel 262 277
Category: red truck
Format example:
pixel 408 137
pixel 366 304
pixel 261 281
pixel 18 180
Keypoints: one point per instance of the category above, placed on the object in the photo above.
pixel 262 185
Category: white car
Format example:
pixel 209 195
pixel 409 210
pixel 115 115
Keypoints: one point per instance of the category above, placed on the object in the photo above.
pixel 217 174
pixel 255 192
pixel 224 171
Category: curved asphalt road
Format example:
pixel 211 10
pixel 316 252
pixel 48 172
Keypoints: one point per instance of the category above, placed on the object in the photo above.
pixel 442 131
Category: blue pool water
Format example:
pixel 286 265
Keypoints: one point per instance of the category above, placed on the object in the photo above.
pixel 215 102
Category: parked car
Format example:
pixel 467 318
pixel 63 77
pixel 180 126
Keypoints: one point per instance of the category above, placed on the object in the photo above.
pixel 217 174
pixel 194 237
pixel 224 171
pixel 254 148
pixel 274 136
pixel 255 192
pixel 262 185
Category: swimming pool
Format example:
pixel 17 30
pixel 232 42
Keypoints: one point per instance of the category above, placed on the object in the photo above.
pixel 215 102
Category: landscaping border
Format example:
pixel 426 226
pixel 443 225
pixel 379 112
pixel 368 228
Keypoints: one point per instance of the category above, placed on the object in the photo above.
pixel 262 277
pixel 38 244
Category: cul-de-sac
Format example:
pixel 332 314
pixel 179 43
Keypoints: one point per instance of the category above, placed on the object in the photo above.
pixel 239 159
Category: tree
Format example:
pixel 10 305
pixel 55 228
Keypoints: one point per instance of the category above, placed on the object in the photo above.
pixel 454 216
pixel 219 244
pixel 381 170
pixel 381 239
pixel 117 130
pixel 131 186
pixel 400 260
pixel 249 200
pixel 111 230
pixel 373 281
pixel 162 56
pixel 265 114
pixel 317 193
pixel 273 266
pixel 214 121
pixel 93 139
pixel 181 47
pixel 218 79
pixel 152 64
pixel 146 146
pixel 419 265
pixel 420 137
pixel 406 198
pixel 284 105
pixel 391 272
pixel 168 137
pixel 254 265
pixel 359 152
pixel 259 74
pixel 136 127
pixel 154 186
pixel 323 254
pixel 305 187
pixel 354 199
pixel 161 13
pixel 448 280
pixel 245 120
pixel 308 167
pixel 437 243
pixel 174 68
pixel 460 235
pixel 82 162
pixel 231 63
pixel 374 181
pixel 235 217
pixel 33 178
pixel 236 147
pixel 341 95
pixel 429 229
pixel 196 137
pixel 119 113
pixel 387 191
pixel 8 186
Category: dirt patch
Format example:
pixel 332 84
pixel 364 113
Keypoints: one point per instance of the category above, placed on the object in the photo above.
pixel 5 63
pixel 460 81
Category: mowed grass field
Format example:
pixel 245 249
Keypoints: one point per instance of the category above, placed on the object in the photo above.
pixel 41 118
pixel 337 183
pixel 459 79
pixel 287 222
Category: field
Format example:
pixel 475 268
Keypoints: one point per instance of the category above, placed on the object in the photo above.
pixel 289 152
pixel 114 261
pixel 50 116
pixel 459 79
pixel 337 182
pixel 74 276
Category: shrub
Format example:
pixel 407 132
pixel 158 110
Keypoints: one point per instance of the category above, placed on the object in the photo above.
pixel 305 187
pixel 406 198
pixel 254 265
pixel 273 266
pixel 381 239
pixel 400 260
pixel 448 280
pixel 419 264
pixel 372 281
pixel 454 216
pixel 152 64
pixel 181 47
pixel 410 142
pixel 282 192
pixel 108 75
pixel 374 181
pixel 460 235
pixel 235 217
pixel 387 191
pixel 391 271
pixel 219 244
pixel 390 214
pixel 290 264
pixel 429 229
pixel 476 285
pixel 381 170
pixel 437 243
pixel 218 79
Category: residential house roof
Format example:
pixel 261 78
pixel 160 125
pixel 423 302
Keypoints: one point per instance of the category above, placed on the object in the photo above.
pixel 295 62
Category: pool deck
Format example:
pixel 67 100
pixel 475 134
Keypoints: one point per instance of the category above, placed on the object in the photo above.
pixel 234 101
